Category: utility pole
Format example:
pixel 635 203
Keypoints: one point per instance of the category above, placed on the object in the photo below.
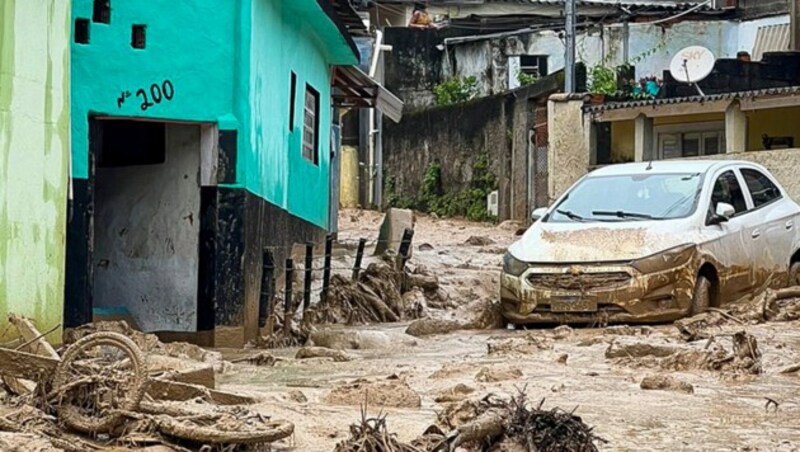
pixel 569 58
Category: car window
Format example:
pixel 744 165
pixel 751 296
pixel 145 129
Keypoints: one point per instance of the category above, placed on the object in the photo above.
pixel 761 188
pixel 727 190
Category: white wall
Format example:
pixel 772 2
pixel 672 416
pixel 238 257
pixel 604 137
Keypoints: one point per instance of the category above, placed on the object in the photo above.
pixel 724 38
pixel 147 226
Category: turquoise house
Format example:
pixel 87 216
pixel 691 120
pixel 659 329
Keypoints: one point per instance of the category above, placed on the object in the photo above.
pixel 201 148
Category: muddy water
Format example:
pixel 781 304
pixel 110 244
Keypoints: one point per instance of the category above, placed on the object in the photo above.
pixel 722 414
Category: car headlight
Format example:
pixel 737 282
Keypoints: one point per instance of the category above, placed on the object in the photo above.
pixel 665 260
pixel 513 266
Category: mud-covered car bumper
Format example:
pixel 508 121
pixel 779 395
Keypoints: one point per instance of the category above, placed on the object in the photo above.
pixel 560 294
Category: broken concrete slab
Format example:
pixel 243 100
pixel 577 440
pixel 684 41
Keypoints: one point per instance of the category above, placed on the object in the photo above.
pixel 395 222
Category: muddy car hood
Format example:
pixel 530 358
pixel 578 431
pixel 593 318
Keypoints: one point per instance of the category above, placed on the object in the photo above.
pixel 598 242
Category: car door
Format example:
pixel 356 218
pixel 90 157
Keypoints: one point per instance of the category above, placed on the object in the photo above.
pixel 771 227
pixel 730 249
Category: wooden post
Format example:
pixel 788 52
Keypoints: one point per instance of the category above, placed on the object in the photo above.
pixel 307 282
pixel 405 248
pixel 326 272
pixel 287 298
pixel 267 289
pixel 359 257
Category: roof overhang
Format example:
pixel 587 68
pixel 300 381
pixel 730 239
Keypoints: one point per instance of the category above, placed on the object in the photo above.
pixel 353 88
pixel 715 103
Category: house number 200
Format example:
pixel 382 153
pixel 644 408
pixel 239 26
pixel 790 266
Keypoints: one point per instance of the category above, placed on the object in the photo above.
pixel 157 94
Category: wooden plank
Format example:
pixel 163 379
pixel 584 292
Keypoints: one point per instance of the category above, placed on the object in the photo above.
pixel 39 346
pixel 26 365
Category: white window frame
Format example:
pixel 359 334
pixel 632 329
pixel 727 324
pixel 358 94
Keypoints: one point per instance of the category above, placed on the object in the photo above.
pixel 311 149
pixel 702 128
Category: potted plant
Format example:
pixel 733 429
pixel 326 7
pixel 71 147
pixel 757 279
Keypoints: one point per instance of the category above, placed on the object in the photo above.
pixel 602 83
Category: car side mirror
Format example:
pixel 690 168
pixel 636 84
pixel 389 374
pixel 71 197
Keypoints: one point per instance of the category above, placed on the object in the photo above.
pixel 723 213
pixel 725 210
pixel 537 214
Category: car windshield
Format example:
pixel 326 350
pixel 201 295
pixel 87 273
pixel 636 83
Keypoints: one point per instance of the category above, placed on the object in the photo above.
pixel 635 197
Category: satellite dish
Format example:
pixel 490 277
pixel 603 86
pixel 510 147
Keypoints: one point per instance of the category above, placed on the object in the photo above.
pixel 692 65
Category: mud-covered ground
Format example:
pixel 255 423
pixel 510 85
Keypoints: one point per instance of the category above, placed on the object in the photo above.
pixel 708 403
pixel 641 388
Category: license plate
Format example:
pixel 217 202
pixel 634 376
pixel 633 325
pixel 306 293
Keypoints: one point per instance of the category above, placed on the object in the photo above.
pixel 573 304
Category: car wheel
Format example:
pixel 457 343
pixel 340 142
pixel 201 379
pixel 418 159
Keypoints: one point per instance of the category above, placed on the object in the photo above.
pixel 794 274
pixel 701 299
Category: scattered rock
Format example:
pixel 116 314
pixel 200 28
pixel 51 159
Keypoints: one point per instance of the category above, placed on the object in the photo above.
pixel 626 330
pixel 562 332
pixel 376 394
pixel 639 350
pixel 359 340
pixel 322 352
pixel 510 225
pixel 527 345
pixel 297 396
pixel 479 241
pixel 563 359
pixel 259 359
pixel 426 247
pixel 451 370
pixel 457 393
pixel 431 326
pixel 666 383
pixel 490 375
pixel 589 341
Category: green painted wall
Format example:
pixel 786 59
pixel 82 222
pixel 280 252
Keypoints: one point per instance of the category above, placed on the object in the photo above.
pixel 285 41
pixel 34 150
pixel 190 43
pixel 229 63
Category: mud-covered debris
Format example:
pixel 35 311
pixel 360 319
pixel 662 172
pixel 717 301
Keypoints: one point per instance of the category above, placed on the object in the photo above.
pixel 377 297
pixel 513 425
pixel 297 396
pixel 529 344
pixel 451 370
pixel 666 383
pixel 454 394
pixel 382 393
pixel 562 359
pixel 639 350
pixel 783 305
pixel 259 359
pixel 432 326
pixel 490 374
pixel 737 353
pixel 627 330
pixel 148 343
pixel 372 435
pixel 479 241
pixel 478 315
pixel 562 332
pixel 359 340
pixel 322 352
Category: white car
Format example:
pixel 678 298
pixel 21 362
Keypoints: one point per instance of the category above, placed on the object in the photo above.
pixel 651 242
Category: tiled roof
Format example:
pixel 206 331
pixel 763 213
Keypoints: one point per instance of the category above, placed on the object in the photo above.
pixel 789 90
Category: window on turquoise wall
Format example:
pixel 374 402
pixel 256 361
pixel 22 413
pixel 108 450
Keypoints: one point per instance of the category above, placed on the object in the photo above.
pixel 292 100
pixel 311 125
pixel 102 11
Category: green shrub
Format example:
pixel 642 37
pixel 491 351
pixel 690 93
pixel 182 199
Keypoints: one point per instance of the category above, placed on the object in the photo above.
pixel 456 90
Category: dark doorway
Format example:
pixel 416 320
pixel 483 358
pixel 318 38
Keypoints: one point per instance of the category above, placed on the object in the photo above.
pixel 140 227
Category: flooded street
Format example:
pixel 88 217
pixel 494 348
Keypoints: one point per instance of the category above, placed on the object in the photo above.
pixel 726 410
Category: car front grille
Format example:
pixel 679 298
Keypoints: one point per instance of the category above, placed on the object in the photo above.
pixel 579 282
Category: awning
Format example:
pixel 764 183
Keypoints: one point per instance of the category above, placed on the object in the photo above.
pixel 771 38
pixel 352 88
